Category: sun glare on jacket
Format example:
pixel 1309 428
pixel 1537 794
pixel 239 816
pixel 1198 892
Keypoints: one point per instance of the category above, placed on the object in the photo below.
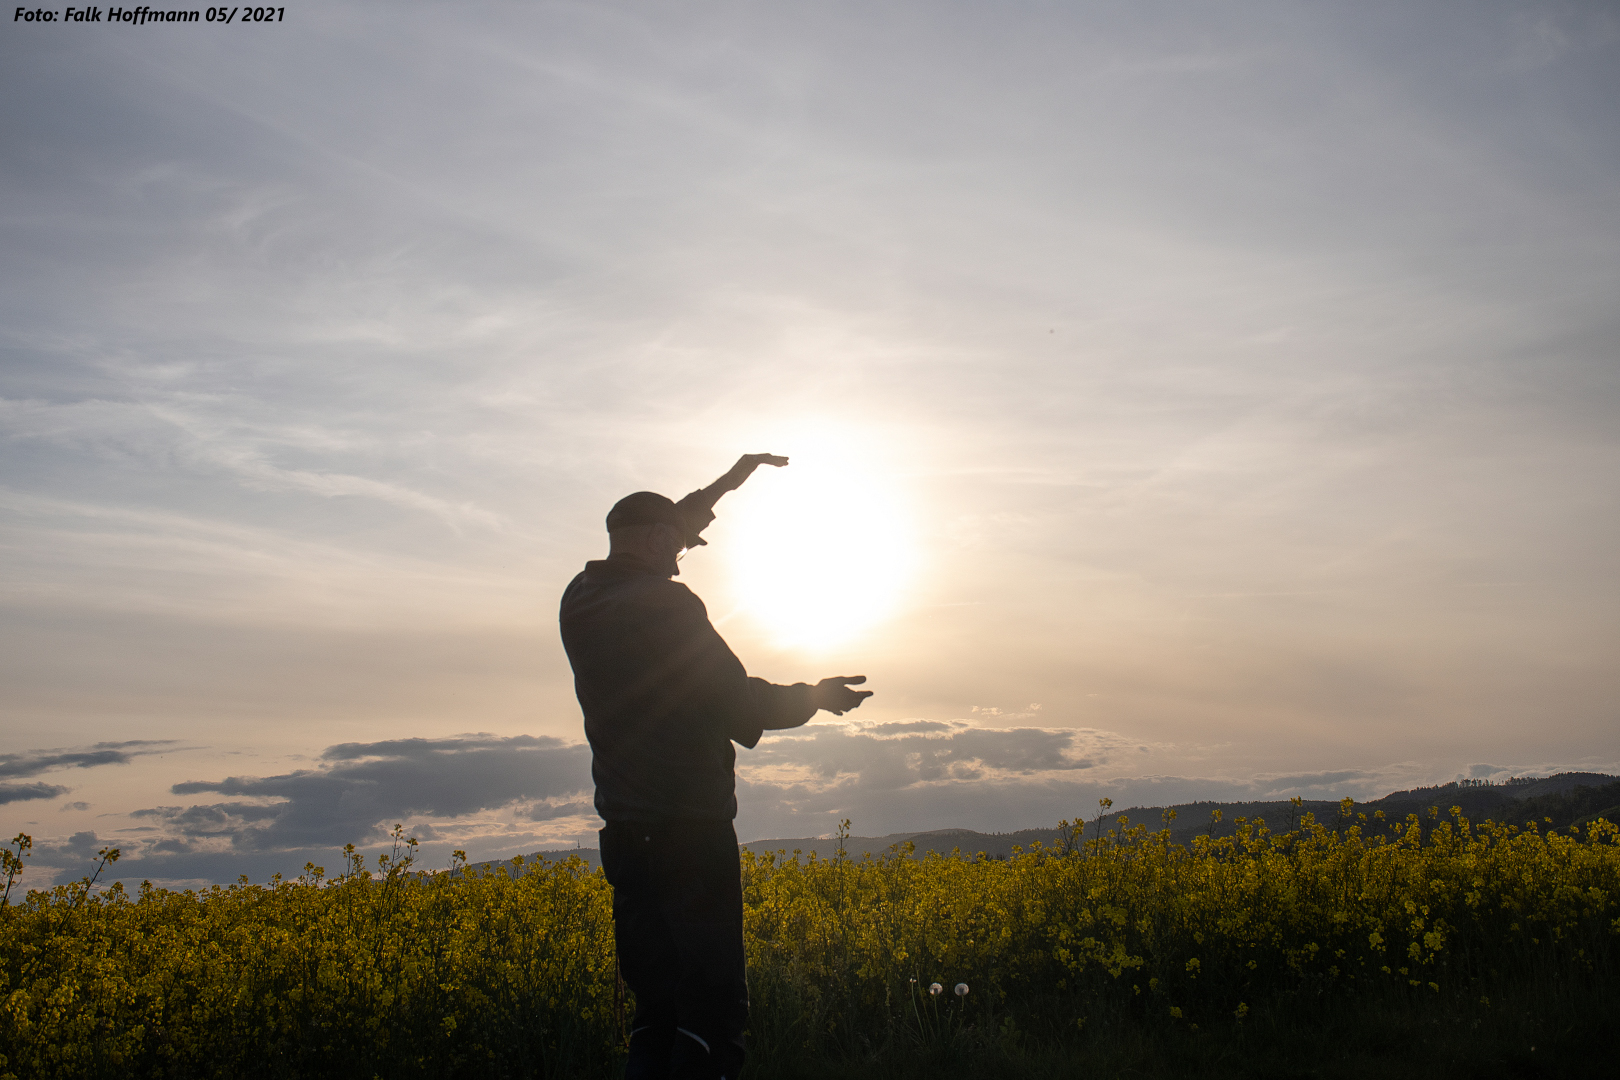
pixel 821 549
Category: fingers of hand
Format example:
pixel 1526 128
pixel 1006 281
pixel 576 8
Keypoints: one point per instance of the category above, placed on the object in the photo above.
pixel 834 695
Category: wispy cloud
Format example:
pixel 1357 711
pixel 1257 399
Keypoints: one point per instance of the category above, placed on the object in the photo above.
pixel 10 793
pixel 217 433
pixel 34 762
pixel 89 556
pixel 19 766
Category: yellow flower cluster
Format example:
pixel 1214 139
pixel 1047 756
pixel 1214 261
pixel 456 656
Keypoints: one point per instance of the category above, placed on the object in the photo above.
pixel 398 973
pixel 1179 933
pixel 394 971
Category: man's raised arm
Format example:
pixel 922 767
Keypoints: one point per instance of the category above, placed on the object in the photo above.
pixel 698 507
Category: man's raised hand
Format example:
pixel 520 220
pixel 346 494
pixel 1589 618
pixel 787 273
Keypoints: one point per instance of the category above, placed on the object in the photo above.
pixel 836 697
pixel 745 468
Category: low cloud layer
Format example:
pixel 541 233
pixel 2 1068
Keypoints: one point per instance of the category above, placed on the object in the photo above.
pixel 362 787
pixel 497 796
pixel 501 796
pixel 925 774
pixel 904 753
pixel 477 790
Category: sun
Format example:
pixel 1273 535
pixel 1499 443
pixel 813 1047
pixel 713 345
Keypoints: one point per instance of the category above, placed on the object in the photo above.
pixel 821 551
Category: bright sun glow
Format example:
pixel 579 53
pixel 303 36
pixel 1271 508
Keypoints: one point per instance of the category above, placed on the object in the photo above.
pixel 821 549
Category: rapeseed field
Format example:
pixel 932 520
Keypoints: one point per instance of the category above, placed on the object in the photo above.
pixel 1113 952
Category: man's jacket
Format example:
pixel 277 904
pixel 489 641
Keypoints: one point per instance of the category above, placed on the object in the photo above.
pixel 664 697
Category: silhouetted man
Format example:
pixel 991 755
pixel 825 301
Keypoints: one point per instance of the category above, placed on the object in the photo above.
pixel 664 698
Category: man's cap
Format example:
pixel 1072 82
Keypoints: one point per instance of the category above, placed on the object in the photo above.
pixel 651 508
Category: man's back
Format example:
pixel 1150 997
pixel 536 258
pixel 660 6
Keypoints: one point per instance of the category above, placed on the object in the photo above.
pixel 663 695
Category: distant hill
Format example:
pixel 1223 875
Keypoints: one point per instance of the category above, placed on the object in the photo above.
pixel 591 857
pixel 1567 798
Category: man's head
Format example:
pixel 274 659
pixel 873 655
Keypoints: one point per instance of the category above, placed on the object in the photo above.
pixel 650 527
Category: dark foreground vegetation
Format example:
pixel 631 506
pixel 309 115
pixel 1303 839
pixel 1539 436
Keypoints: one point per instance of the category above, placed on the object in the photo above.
pixel 1436 949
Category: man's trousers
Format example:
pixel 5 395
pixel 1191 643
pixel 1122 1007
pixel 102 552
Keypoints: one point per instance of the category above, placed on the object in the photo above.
pixel 677 921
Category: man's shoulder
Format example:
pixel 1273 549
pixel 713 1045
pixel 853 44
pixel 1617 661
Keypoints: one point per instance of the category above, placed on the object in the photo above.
pixel 644 590
pixel 661 590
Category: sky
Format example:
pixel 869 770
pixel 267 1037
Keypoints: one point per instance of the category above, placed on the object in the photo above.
pixel 1184 401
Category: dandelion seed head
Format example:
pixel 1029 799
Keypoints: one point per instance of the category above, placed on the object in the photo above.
pixel 935 989
pixel 961 989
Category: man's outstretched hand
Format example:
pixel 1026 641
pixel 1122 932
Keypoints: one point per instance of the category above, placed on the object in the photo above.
pixel 836 697
pixel 745 468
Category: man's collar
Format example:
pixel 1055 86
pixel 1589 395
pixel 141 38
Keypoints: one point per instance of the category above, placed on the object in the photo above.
pixel 625 565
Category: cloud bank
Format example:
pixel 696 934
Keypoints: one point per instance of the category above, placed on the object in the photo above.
pixel 467 790
pixel 500 796
pixel 362 787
